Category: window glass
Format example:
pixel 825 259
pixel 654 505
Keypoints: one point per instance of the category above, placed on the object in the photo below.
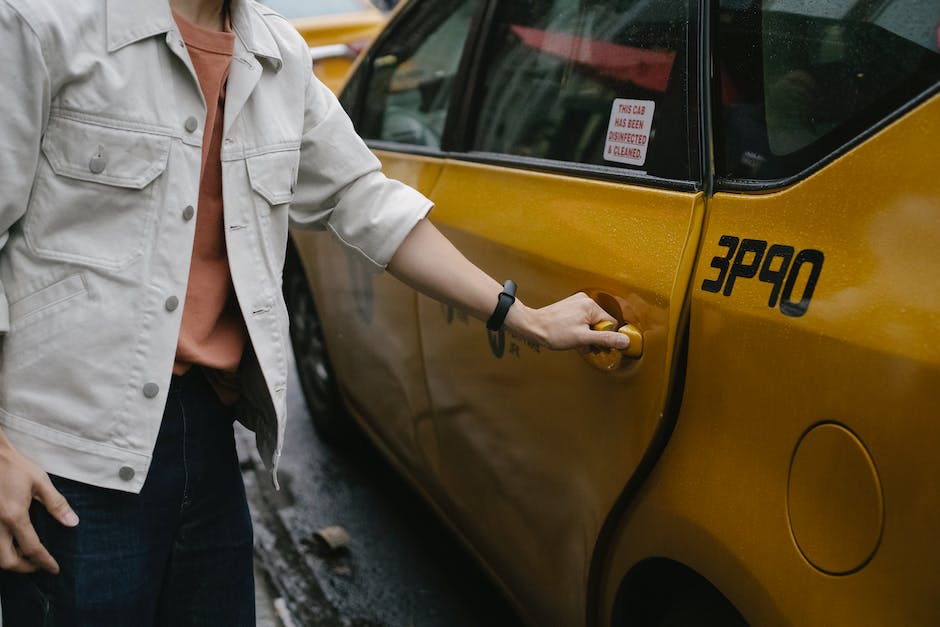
pixel 588 81
pixel 412 74
pixel 798 78
pixel 293 9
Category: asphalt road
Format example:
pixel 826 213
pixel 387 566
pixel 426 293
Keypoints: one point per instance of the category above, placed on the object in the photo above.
pixel 402 567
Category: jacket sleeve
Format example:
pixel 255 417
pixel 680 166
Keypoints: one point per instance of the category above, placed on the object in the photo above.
pixel 340 185
pixel 24 110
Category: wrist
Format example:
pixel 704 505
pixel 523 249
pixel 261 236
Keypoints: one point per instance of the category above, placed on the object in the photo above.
pixel 8 454
pixel 526 321
pixel 504 303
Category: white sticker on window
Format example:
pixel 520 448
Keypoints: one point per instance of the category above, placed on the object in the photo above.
pixel 628 135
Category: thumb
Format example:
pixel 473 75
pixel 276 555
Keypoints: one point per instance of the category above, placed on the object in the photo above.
pixel 54 502
pixel 603 334
pixel 610 339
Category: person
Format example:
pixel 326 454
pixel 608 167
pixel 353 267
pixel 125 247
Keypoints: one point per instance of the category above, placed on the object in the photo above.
pixel 154 152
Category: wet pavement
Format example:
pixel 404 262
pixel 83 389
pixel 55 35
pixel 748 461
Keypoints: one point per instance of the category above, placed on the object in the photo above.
pixel 402 567
pixel 269 607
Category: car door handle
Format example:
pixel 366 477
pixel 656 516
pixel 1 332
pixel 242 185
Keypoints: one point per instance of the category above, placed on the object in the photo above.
pixel 635 350
pixel 610 360
pixel 332 51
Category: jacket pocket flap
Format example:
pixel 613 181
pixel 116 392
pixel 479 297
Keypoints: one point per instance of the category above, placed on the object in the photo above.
pixel 273 174
pixel 46 297
pixel 101 154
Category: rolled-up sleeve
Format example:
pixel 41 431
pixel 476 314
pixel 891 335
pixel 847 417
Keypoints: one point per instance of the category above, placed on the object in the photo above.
pixel 24 109
pixel 340 185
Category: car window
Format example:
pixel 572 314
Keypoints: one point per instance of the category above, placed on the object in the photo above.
pixel 798 79
pixel 293 9
pixel 412 74
pixel 600 82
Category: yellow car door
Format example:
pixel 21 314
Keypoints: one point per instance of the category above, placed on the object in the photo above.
pixel 573 170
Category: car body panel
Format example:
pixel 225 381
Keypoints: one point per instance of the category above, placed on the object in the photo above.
pixel 352 31
pixel 867 346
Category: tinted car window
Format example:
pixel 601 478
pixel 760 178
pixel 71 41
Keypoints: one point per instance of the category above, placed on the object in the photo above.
pixel 594 82
pixel 292 9
pixel 798 79
pixel 412 73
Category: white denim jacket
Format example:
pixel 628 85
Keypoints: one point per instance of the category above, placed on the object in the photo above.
pixel 101 136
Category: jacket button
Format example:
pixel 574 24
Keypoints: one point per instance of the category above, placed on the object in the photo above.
pixel 126 473
pixel 151 390
pixel 191 124
pixel 97 164
pixel 188 213
pixel 172 303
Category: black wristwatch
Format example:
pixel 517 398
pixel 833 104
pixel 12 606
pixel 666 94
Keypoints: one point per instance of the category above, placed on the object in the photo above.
pixel 506 298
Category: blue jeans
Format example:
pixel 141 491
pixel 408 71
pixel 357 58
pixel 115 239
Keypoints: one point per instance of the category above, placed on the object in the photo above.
pixel 178 554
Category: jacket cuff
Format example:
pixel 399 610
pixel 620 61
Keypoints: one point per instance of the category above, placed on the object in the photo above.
pixel 375 220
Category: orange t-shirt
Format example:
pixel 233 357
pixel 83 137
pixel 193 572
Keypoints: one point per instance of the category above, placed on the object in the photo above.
pixel 212 332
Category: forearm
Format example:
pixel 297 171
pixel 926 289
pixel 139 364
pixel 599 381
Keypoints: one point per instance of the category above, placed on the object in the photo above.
pixel 429 263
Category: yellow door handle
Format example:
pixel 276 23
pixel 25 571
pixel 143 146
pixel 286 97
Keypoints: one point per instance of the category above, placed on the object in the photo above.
pixel 635 350
pixel 610 359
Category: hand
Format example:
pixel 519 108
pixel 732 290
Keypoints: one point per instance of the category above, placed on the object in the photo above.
pixel 566 324
pixel 21 481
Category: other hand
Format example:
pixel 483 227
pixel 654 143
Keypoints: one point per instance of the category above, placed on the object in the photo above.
pixel 21 481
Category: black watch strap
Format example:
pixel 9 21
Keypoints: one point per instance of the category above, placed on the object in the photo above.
pixel 506 298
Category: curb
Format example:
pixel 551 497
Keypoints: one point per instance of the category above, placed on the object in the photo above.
pixel 301 600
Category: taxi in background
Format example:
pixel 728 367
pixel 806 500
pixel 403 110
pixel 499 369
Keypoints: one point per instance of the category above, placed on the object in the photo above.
pixel 751 188
pixel 336 31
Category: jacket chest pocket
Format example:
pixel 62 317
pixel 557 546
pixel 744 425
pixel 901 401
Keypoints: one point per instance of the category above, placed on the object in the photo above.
pixel 272 176
pixel 94 195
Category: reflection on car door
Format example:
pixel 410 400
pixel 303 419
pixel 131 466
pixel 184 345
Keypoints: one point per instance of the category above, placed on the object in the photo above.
pixel 535 446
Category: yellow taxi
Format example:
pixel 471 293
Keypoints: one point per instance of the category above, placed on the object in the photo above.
pixel 336 31
pixel 751 186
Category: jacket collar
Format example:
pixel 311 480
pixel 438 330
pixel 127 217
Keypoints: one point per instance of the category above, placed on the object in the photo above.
pixel 130 21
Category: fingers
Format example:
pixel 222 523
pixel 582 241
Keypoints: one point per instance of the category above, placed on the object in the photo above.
pixel 54 502
pixel 31 549
pixel 596 313
pixel 20 548
pixel 609 340
pixel 602 339
pixel 21 481
pixel 10 559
